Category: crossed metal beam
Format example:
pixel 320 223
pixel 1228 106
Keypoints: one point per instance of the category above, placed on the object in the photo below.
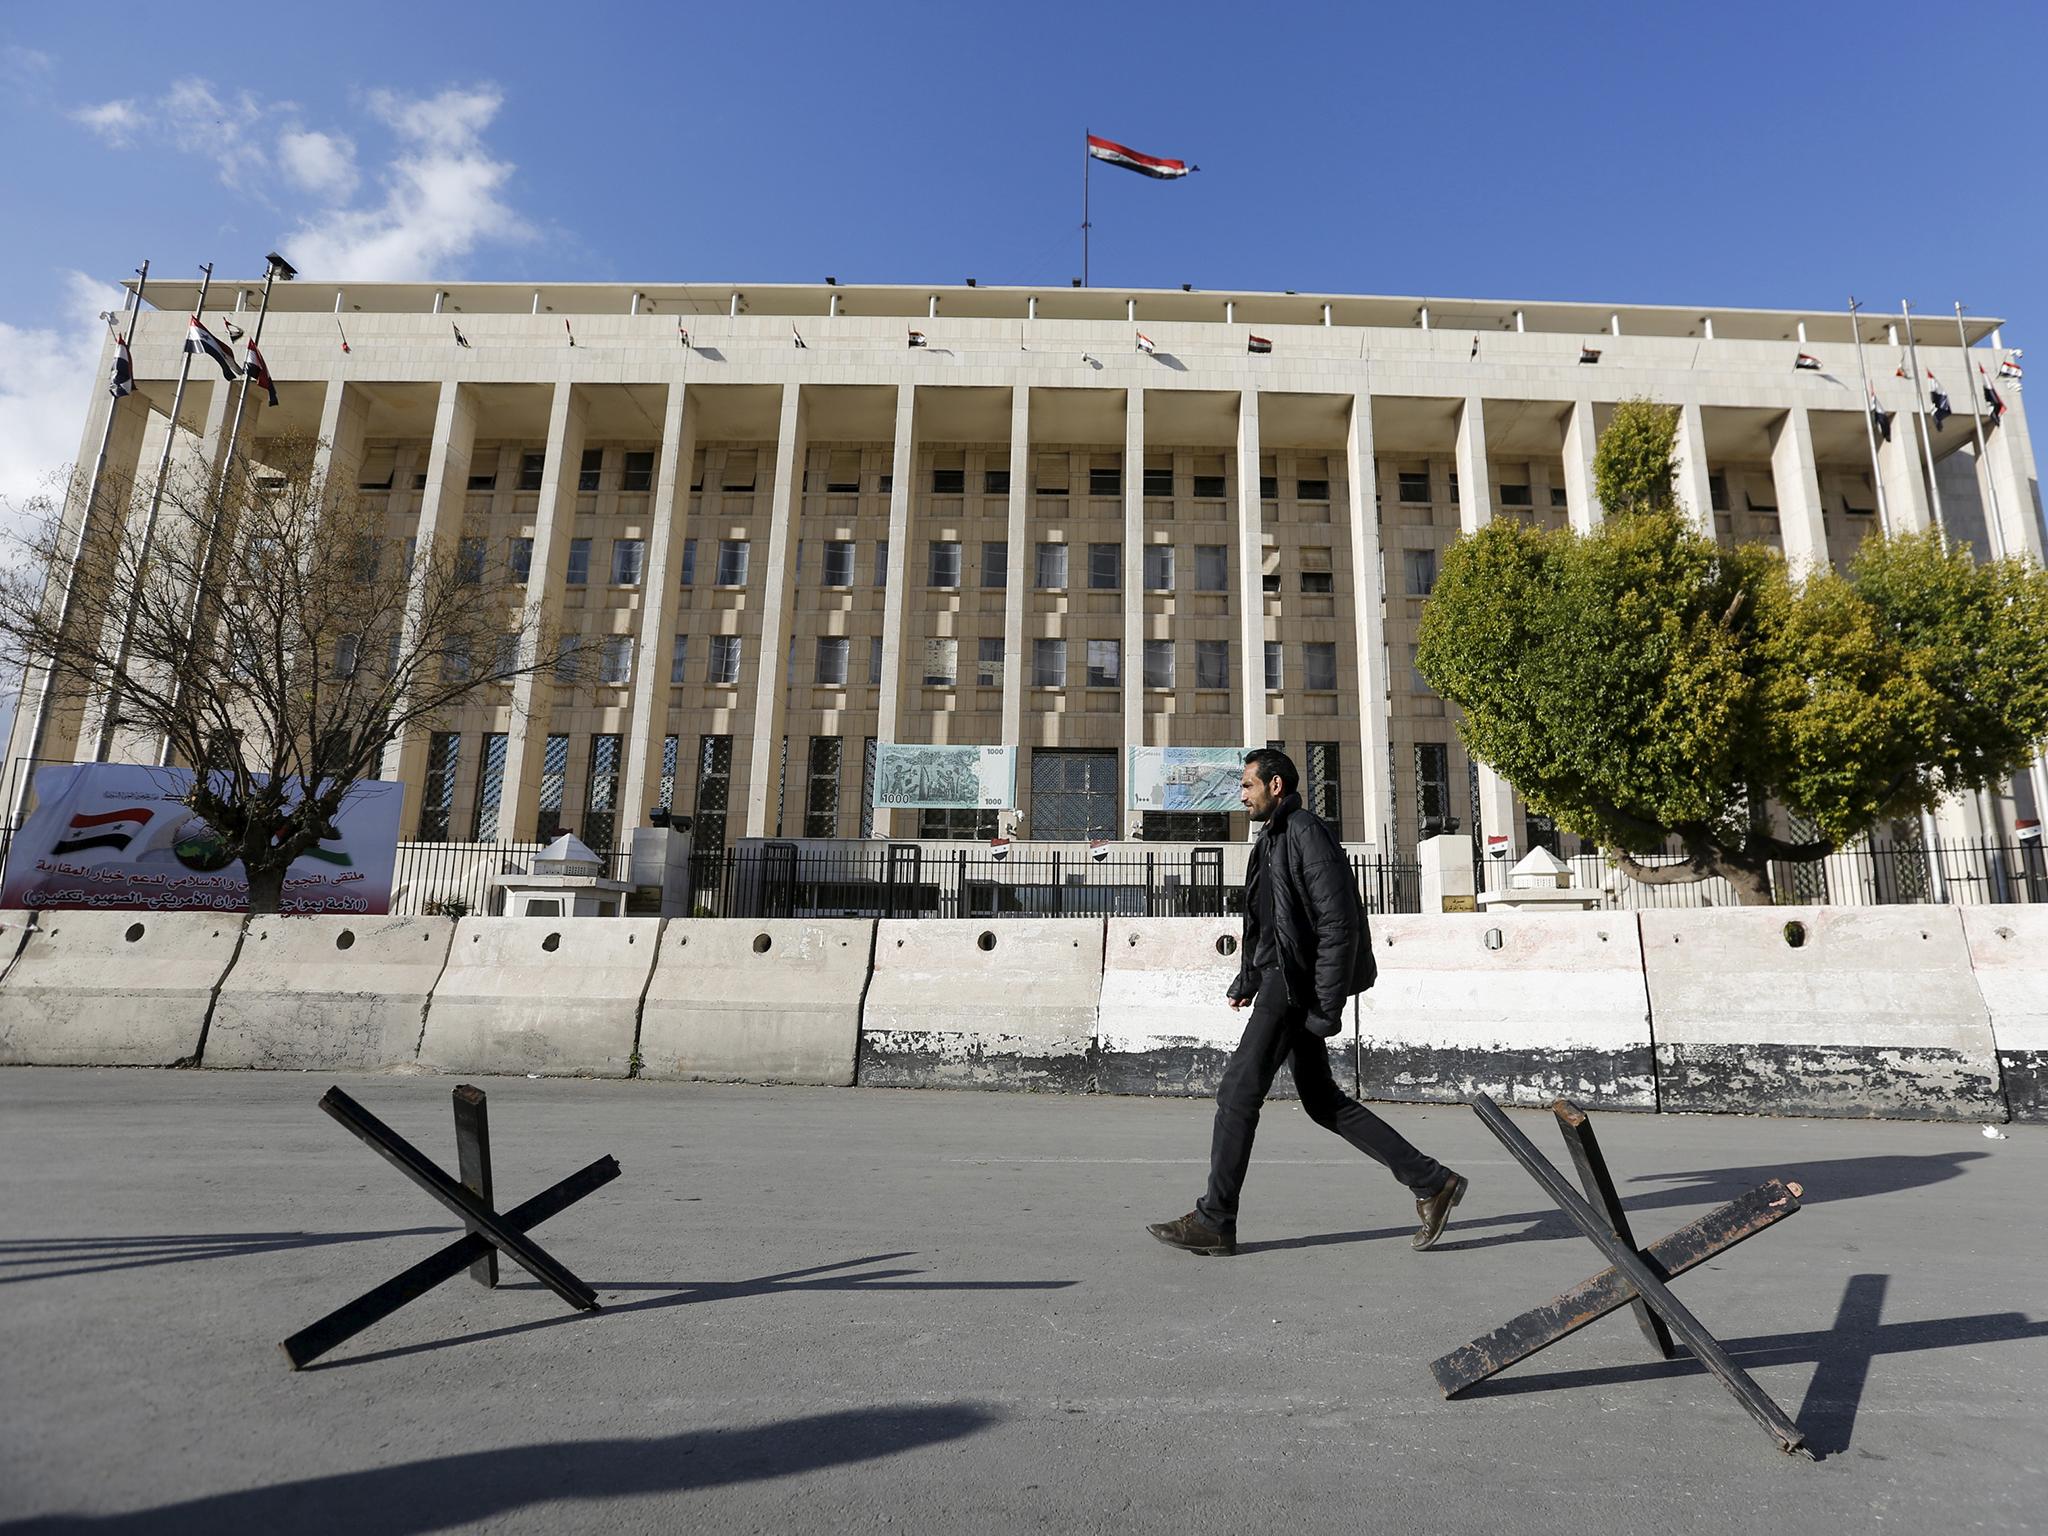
pixel 490 1231
pixel 1633 1279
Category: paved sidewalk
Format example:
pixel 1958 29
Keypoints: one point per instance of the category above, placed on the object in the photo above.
pixel 862 1310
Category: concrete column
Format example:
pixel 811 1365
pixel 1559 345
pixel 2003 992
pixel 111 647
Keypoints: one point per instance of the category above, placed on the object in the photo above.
pixel 1016 584
pixel 1582 505
pixel 441 509
pixel 1132 661
pixel 660 599
pixel 1251 607
pixel 778 612
pixel 1368 621
pixel 1695 495
pixel 2009 464
pixel 896 597
pixel 533 693
pixel 1475 511
pixel 1905 482
pixel 1798 486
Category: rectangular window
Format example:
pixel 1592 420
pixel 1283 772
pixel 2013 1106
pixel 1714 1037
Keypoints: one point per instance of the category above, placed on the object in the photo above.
pixel 1105 663
pixel 739 471
pixel 1158 663
pixel 1212 663
pixel 638 474
pixel 1319 666
pixel 867 788
pixel 509 659
pixel 1073 794
pixel 995 482
pixel 1052 568
pixel 1049 663
pixel 1210 487
pixel 1311 490
pixel 1105 480
pixel 988 666
pixel 732 562
pixel 554 779
pixel 949 482
pixel 1105 567
pixel 689 562
pixel 1432 785
pixel 714 793
pixel 601 795
pixel 678 657
pixel 1269 570
pixel 490 788
pixel 832 658
pixel 1158 567
pixel 881 562
pixel 1269 487
pixel 487 481
pixel 995 564
pixel 532 466
pixel 667 794
pixel 1275 667
pixel 379 466
pixel 1315 571
pixel 1212 568
pixel 1159 482
pixel 469 562
pixel 628 557
pixel 348 653
pixel 875 661
pixel 437 794
pixel 821 794
pixel 1517 496
pixel 838 563
pixel 1558 498
pixel 1054 470
pixel 1414 486
pixel 1717 492
pixel 945 563
pixel 941 661
pixel 1418 571
pixel 579 562
pixel 519 561
pixel 1325 790
pixel 591 475
pixel 724 669
pixel 568 658
pixel 842 473
pixel 615 661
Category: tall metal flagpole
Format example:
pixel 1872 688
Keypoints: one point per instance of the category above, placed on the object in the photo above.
pixel 1087 165
pixel 256 341
pixel 1926 432
pixel 45 696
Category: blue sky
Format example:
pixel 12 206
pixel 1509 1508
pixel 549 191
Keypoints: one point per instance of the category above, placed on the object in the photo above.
pixel 1745 154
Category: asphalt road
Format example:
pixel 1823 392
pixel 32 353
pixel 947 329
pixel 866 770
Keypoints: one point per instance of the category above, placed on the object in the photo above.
pixel 861 1310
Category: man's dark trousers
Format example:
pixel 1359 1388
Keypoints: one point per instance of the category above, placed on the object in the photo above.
pixel 1278 1032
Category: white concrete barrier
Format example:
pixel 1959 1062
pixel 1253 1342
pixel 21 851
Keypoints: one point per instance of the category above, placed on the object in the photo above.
pixel 1004 1004
pixel 1819 1011
pixel 15 923
pixel 1166 1026
pixel 341 993
pixel 1526 1007
pixel 2009 954
pixel 556 996
pixel 114 989
pixel 767 1000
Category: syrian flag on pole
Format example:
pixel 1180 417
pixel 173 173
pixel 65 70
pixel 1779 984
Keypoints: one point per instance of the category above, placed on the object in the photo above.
pixel 122 382
pixel 917 339
pixel 1880 418
pixel 259 373
pixel 1145 343
pixel 1992 402
pixel 341 333
pixel 1807 361
pixel 798 337
pixel 2010 368
pixel 201 342
pixel 1257 345
pixel 1145 165
pixel 1942 409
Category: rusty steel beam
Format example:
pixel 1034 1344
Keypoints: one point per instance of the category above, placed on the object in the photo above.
pixel 1598 1184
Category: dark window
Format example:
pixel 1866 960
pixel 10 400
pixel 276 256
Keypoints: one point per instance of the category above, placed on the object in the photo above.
pixel 490 788
pixel 956 826
pixel 1158 663
pixel 725 661
pixel 995 564
pixel 838 563
pixel 1209 488
pixel 1414 485
pixel 579 562
pixel 732 563
pixel 1159 482
pixel 591 475
pixel 437 795
pixel 1319 665
pixel 1073 795
pixel 1517 496
pixel 1325 783
pixel 1105 567
pixel 1186 827
pixel 1158 567
pixel 945 563
pixel 638 474
pixel 995 482
pixel 628 556
pixel 1432 782
pixel 867 787
pixel 689 562
pixel 949 482
pixel 1311 490
pixel 832 657
pixel 714 793
pixel 519 561
pixel 488 481
pixel 532 466
pixel 601 795
pixel 1105 482
pixel 821 795
pixel 1212 663
pixel 1269 487
pixel 469 561
pixel 554 779
pixel 1717 492
pixel 1212 568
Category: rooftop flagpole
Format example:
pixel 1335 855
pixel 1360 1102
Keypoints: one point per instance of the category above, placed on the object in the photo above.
pixel 1087 164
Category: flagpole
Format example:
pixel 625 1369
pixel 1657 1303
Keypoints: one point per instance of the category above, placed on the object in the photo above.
pixel 1884 517
pixel 44 693
pixel 1926 434
pixel 1087 164
pixel 256 341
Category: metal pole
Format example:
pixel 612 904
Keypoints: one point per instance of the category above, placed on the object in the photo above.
pixel 66 590
pixel 1926 433
pixel 242 397
pixel 1087 165
pixel 1884 517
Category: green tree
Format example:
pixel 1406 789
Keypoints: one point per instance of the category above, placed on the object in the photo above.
pixel 1636 459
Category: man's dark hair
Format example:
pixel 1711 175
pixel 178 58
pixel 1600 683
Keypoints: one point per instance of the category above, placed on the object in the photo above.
pixel 1272 763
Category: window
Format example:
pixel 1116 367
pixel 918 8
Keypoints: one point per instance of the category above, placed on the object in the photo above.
pixel 670 746
pixel 1158 567
pixel 956 826
pixel 1212 663
pixel 995 482
pixel 1416 681
pixel 1315 571
pixel 881 562
pixel 1052 568
pixel 1418 571
pixel 821 793
pixel 490 788
pixel 579 562
pixel 1325 792
pixel 678 656
pixel 875 661
pixel 348 653
pixel 1453 479
pixel 949 482
pixel 1558 498
pixel 714 791
pixel 842 473
pixel 568 658
pixel 1319 666
pixel 732 563
pixel 591 474
pixel 1159 482
pixel 638 474
pixel 1158 663
pixel 832 657
pixel 1517 496
pixel 1185 827
pixel 1048 663
pixel 615 661
pixel 1414 485
pixel 1717 492
pixel 519 561
pixel 1275 667
pixel 941 661
pixel 487 481
pixel 689 562
pixel 437 795
pixel 379 464
pixel 1073 794
pixel 838 563
pixel 995 564
pixel 988 667
pixel 1311 490
pixel 367 556
pixel 601 794
pixel 724 670
pixel 1105 480
pixel 1269 487
pixel 1105 663
pixel 628 556
pixel 885 483
pixel 1209 488
pixel 1053 473
pixel 508 660
pixel 532 466
pixel 1212 568
pixel 1432 785
pixel 1105 567
pixel 945 563
pixel 739 471
pixel 1269 570
pixel 554 779
pixel 455 659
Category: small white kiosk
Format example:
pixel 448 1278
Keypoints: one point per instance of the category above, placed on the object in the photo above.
pixel 567 880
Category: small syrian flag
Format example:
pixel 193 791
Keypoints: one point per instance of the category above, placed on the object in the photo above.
pixel 797 336
pixel 1942 409
pixel 122 381
pixel 1880 418
pixel 107 829
pixel 2010 368
pixel 917 339
pixel 1589 354
pixel 1258 346
pixel 1992 403
pixel 682 334
pixel 999 848
pixel 340 332
pixel 1807 361
pixel 1098 849
pixel 566 326
pixel 234 331
pixel 201 342
pixel 259 373
pixel 1145 344
pixel 1145 165
pixel 1497 844
pixel 460 339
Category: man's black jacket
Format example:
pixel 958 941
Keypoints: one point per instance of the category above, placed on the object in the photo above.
pixel 1319 928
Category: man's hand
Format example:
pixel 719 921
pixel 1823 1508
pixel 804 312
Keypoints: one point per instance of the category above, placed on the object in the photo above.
pixel 1240 1002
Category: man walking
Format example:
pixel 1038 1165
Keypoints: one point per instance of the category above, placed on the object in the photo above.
pixel 1305 953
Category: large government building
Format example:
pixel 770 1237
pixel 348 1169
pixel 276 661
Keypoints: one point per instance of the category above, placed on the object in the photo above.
pixel 796 521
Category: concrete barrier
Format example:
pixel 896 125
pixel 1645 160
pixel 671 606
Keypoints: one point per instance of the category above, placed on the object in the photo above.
pixel 1165 1026
pixel 1008 1004
pixel 15 924
pixel 1526 1007
pixel 1869 1011
pixel 114 989
pixel 341 993
pixel 2009 954
pixel 556 996
pixel 757 1000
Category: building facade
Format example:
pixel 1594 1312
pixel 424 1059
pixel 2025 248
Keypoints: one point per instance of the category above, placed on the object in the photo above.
pixel 796 521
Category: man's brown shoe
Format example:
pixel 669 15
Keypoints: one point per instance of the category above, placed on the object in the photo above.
pixel 1435 1210
pixel 1195 1235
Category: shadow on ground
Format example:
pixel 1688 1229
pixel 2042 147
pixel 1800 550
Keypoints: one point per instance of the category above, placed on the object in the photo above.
pixel 100 1255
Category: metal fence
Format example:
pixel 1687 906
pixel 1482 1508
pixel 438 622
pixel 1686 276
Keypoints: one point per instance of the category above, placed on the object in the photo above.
pixel 456 879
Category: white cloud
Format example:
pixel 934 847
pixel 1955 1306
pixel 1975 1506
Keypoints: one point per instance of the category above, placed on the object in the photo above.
pixel 46 378
pixel 115 121
pixel 25 64
pixel 321 163
pixel 194 118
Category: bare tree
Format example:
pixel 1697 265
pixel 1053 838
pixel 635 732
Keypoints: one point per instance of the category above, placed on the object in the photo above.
pixel 265 628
